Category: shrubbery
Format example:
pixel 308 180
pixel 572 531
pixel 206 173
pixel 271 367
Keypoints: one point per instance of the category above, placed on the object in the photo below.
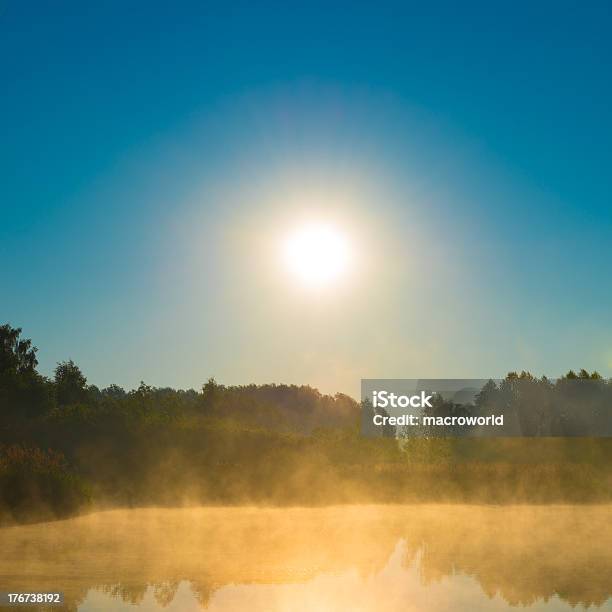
pixel 37 484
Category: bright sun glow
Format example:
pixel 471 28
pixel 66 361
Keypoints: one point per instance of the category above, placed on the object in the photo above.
pixel 317 255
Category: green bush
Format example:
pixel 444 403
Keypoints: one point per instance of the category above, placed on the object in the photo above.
pixel 38 485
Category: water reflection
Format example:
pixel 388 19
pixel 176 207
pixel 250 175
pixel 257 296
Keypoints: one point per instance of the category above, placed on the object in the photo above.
pixel 350 557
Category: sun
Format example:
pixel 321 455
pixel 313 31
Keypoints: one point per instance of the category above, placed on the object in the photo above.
pixel 317 255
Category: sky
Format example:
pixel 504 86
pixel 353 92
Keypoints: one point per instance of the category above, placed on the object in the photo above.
pixel 154 155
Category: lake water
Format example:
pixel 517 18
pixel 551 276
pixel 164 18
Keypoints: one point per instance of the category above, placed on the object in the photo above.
pixel 357 558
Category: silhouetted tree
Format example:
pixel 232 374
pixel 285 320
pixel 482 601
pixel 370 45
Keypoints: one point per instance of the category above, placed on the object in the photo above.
pixel 23 392
pixel 16 355
pixel 70 384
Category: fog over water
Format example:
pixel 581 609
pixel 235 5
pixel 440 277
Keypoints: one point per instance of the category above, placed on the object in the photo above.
pixel 422 557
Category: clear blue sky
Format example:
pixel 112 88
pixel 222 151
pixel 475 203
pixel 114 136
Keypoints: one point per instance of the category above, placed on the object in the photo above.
pixel 149 149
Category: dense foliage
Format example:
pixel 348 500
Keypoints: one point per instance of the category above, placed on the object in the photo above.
pixel 270 444
pixel 37 484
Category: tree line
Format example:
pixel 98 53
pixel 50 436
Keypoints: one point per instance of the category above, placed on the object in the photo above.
pixel 66 445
